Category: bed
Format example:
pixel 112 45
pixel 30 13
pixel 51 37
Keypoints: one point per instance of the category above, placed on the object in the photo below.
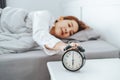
pixel 31 65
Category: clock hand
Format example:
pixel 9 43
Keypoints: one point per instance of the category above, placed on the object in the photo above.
pixel 72 59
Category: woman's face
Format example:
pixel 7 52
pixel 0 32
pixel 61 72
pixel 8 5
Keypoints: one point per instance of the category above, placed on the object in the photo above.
pixel 65 28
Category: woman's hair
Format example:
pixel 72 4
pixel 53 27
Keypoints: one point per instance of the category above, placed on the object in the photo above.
pixel 81 24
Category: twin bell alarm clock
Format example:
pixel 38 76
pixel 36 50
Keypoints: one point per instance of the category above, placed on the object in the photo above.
pixel 73 59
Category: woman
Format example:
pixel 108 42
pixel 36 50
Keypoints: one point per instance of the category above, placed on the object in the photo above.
pixel 48 32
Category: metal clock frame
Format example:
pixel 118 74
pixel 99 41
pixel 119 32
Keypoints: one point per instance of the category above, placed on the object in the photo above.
pixel 80 53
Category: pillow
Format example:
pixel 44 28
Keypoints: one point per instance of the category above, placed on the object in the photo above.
pixel 84 35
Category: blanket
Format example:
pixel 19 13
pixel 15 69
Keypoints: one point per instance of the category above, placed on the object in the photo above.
pixel 14 35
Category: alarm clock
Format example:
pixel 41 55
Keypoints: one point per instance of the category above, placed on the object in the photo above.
pixel 73 59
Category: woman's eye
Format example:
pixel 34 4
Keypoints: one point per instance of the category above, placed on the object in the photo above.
pixel 69 25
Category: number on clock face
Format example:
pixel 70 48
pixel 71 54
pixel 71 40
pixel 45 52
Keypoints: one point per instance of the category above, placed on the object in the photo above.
pixel 72 60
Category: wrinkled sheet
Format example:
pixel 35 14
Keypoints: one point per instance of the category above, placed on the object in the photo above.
pixel 14 35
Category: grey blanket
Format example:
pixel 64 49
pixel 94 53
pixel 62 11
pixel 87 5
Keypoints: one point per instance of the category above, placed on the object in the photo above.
pixel 14 35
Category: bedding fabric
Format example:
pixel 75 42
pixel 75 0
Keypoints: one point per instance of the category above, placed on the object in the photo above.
pixel 15 37
pixel 32 65
pixel 82 36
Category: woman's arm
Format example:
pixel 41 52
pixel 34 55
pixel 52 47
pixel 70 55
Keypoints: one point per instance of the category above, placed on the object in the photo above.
pixel 58 46
pixel 61 45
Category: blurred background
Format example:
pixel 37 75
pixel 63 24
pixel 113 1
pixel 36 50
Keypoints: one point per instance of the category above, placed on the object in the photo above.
pixel 101 15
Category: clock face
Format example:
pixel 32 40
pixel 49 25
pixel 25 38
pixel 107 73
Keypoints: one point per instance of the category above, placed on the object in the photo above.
pixel 72 60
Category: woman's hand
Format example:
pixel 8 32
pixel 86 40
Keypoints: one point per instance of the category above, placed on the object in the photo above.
pixel 74 44
pixel 60 46
pixel 71 46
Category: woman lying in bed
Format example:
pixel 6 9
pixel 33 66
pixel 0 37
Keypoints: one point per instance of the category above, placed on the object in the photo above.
pixel 47 32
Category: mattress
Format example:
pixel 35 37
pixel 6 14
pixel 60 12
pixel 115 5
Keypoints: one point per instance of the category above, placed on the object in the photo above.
pixel 100 49
pixel 32 65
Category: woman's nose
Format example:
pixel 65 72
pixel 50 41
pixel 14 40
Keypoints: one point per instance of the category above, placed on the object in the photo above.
pixel 65 29
pixel 68 29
